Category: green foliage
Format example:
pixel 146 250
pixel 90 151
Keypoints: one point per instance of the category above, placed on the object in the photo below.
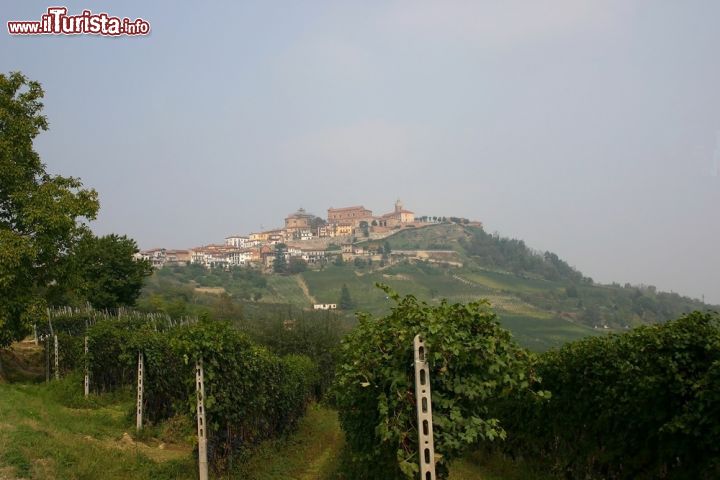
pixel 280 264
pixel 364 228
pixel 640 405
pixel 316 334
pixel 297 265
pixel 110 277
pixel 360 262
pixel 346 302
pixel 473 361
pixel 41 216
pixel 252 394
pixel 514 256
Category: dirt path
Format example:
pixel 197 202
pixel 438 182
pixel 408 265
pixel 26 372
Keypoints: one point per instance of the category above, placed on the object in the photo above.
pixel 464 280
pixel 23 362
pixel 303 286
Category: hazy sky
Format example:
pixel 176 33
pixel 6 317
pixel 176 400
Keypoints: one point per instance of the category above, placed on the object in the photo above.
pixel 591 129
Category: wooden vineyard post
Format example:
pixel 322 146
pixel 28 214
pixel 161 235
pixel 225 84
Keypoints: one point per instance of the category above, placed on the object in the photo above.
pixel 57 360
pixel 140 386
pixel 426 447
pixel 201 425
pixel 87 369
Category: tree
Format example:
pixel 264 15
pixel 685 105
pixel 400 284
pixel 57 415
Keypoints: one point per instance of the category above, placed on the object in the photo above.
pixel 109 274
pixel 346 302
pixel 386 248
pixel 297 265
pixel 280 263
pixel 364 228
pixel 317 222
pixel 227 309
pixel 42 216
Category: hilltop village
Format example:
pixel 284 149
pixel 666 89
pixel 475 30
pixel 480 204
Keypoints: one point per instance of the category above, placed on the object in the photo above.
pixel 347 233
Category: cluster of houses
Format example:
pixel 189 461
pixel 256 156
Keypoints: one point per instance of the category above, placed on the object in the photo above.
pixel 307 237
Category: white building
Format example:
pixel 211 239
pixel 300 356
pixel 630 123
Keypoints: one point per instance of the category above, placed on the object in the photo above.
pixel 238 241
pixel 325 306
pixel 155 256
pixel 221 256
pixel 312 255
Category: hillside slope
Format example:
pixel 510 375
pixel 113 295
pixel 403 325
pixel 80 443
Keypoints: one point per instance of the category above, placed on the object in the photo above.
pixel 539 297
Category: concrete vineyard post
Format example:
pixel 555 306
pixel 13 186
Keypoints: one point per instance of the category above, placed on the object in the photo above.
pixel 47 359
pixel 201 425
pixel 87 369
pixel 57 360
pixel 35 334
pixel 426 447
pixel 140 386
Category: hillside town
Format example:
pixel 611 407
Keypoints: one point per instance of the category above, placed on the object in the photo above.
pixel 347 232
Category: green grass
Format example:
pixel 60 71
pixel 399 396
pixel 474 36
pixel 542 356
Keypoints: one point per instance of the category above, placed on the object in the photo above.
pixel 506 282
pixel 52 432
pixel 285 289
pixel 311 453
pixel 42 438
pixel 314 453
pixel 540 334
pixel 325 286
pixel 433 237
pixel 534 328
pixel 483 466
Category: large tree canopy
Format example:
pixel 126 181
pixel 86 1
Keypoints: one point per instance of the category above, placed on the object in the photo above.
pixel 108 273
pixel 42 216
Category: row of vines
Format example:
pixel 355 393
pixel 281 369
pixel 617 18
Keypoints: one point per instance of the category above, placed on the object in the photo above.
pixel 251 394
pixel 640 405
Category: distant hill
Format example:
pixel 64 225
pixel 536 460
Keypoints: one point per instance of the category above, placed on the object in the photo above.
pixel 542 299
pixel 547 282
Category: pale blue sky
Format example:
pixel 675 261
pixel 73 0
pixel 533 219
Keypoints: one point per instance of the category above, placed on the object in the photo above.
pixel 585 128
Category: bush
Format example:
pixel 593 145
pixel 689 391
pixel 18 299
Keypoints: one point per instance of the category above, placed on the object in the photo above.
pixel 641 405
pixel 472 361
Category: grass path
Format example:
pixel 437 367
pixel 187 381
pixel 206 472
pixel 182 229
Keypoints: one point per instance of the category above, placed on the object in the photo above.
pixel 311 453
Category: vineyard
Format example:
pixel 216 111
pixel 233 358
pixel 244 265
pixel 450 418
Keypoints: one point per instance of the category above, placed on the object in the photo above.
pixel 250 394
pixel 638 405
pixel 642 405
